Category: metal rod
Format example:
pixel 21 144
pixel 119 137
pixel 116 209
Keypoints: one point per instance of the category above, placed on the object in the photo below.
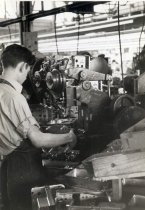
pixel 120 47
pixel 134 190
pixel 134 182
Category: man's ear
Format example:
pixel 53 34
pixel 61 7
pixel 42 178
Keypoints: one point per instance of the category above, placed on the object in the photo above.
pixel 20 66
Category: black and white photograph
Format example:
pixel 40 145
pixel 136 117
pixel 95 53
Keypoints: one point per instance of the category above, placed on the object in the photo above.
pixel 72 105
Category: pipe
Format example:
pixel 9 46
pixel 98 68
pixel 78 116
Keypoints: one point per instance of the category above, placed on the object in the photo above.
pixel 134 190
pixel 134 182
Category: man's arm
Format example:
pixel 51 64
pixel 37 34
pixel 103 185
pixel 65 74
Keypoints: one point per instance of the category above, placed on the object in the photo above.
pixel 25 124
pixel 45 140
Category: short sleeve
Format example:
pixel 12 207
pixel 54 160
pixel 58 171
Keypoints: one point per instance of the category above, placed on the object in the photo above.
pixel 20 115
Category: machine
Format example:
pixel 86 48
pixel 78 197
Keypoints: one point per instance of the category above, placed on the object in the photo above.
pixel 62 97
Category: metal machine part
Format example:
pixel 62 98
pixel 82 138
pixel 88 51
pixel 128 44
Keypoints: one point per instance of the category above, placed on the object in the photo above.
pixel 60 196
pixel 121 102
pixel 137 201
pixel 94 76
pixel 139 85
pixel 81 61
pixel 43 197
pixel 56 81
pixel 86 85
pixel 51 89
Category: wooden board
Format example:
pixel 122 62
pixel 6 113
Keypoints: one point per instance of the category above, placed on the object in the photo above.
pixel 134 137
pixel 138 127
pixel 134 140
pixel 110 166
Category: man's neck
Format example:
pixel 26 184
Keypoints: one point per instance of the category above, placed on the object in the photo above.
pixel 9 76
pixel 13 81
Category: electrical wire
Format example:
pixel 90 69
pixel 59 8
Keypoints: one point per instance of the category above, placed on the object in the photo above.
pixel 6 12
pixel 16 16
pixel 16 9
pixel 56 42
pixel 141 31
pixel 10 32
pixel 120 46
pixel 78 34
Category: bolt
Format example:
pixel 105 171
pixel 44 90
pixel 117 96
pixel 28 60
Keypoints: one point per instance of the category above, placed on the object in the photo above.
pixel 113 165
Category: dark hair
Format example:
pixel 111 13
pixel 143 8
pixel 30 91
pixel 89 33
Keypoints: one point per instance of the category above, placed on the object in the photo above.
pixel 14 54
pixel 84 53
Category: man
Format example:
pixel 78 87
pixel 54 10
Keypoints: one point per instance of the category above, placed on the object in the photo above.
pixel 20 138
pixel 100 64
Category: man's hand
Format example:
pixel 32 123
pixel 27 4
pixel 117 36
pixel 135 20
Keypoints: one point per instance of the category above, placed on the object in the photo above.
pixel 73 139
pixel 47 140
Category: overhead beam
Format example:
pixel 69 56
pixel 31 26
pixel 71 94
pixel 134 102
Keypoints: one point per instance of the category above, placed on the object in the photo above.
pixel 76 7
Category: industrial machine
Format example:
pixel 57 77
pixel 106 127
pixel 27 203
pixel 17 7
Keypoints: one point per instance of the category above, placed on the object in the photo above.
pixel 62 97
pixel 65 96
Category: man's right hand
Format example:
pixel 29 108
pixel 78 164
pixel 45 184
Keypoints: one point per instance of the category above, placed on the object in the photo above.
pixel 47 140
pixel 72 138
